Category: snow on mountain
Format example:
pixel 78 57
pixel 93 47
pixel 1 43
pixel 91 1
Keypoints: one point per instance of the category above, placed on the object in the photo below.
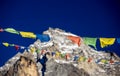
pixel 60 43
pixel 59 38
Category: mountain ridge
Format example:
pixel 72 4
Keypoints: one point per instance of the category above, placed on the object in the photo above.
pixel 60 44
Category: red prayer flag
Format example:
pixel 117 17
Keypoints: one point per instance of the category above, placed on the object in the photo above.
pixel 1 30
pixel 74 39
pixel 90 59
pixel 67 56
pixel 111 61
pixel 16 47
pixel 42 52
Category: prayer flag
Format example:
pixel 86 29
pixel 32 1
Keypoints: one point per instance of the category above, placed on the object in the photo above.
pixel 76 58
pixel 11 30
pixel 53 53
pixel 84 59
pixel 90 41
pixel 81 58
pixel 22 47
pixel 75 39
pixel 57 54
pixel 16 47
pixel 67 56
pixel 104 61
pixel 42 52
pixel 12 44
pixel 43 38
pixel 118 40
pixel 1 30
pixel 37 50
pixel 5 44
pixel 106 41
pixel 27 34
pixel 89 59
pixel 62 55
pixel 111 61
pixel 32 49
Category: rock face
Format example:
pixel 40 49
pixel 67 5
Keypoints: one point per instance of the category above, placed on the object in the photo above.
pixel 57 69
pixel 23 67
pixel 24 64
pixel 9 64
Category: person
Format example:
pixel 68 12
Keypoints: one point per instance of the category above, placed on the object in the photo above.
pixel 43 63
pixel 111 54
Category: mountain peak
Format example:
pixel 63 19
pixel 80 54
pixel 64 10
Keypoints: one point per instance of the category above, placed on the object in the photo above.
pixel 65 51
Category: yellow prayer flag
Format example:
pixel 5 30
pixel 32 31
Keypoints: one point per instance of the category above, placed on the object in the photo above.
pixel 81 58
pixel 32 49
pixel 104 61
pixel 57 54
pixel 106 41
pixel 5 44
pixel 28 34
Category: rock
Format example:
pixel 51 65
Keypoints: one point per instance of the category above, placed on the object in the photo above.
pixel 57 69
pixel 24 64
pixel 23 67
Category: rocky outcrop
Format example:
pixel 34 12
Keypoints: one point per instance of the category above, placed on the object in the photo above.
pixel 57 69
pixel 23 67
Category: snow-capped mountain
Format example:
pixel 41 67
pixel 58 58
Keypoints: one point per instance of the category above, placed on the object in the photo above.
pixel 86 64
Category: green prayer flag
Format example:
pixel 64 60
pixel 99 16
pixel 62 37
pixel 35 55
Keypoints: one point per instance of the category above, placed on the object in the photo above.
pixel 12 44
pixel 62 55
pixel 90 41
pixel 37 51
pixel 106 61
pixel 84 59
pixel 11 30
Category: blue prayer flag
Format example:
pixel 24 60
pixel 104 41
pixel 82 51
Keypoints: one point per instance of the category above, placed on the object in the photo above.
pixel 118 40
pixel 43 38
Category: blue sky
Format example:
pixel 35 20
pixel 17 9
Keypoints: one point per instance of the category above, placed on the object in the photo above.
pixel 86 18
